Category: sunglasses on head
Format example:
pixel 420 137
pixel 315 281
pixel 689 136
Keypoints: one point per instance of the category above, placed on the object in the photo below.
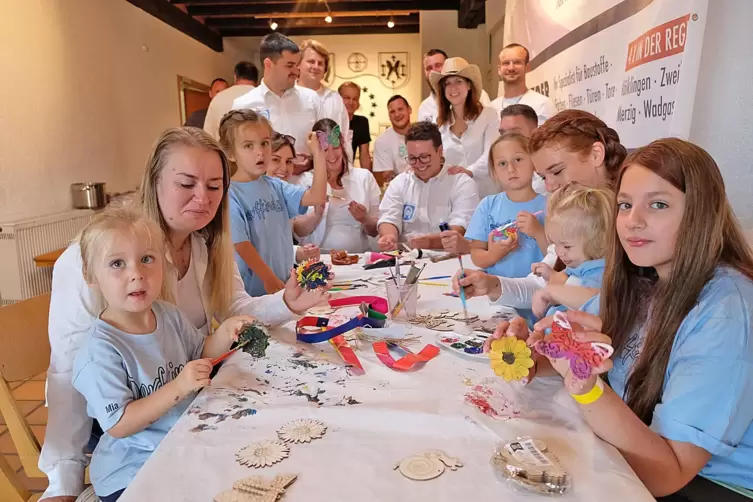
pixel 290 139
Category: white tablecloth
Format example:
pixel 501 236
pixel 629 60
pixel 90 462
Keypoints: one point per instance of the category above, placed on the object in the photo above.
pixel 373 422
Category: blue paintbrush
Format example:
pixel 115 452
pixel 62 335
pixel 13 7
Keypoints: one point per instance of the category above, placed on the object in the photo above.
pixel 445 227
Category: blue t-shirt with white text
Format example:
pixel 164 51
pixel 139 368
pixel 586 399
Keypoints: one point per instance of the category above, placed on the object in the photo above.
pixel 260 213
pixel 114 368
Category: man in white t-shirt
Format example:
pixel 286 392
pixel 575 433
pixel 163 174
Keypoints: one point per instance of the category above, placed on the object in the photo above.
pixel 246 77
pixel 420 199
pixel 513 66
pixel 314 66
pixel 434 62
pixel 292 110
pixel 390 153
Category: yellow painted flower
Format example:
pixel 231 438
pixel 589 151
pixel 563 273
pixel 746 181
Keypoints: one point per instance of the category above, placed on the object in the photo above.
pixel 510 358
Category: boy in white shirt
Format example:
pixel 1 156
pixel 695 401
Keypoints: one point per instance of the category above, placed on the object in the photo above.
pixel 418 200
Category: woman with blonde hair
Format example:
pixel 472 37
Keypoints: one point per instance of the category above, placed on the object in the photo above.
pixel 184 189
pixel 468 128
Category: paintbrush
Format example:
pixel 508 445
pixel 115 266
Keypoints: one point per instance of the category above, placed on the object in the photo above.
pixel 229 353
pixel 445 227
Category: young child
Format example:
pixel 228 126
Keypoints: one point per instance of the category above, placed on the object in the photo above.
pixel 143 359
pixel 261 206
pixel 578 223
pixel 281 166
pixel 677 306
pixel 511 168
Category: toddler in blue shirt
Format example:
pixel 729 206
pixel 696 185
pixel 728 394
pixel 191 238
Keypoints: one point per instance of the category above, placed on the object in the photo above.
pixel 578 223
pixel 143 359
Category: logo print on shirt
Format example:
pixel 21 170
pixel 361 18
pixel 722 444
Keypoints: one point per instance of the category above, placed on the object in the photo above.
pixel 402 151
pixel 264 112
pixel 409 210
pixel 165 374
pixel 262 207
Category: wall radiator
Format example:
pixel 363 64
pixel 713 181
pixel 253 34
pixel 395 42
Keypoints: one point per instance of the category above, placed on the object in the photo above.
pixel 21 241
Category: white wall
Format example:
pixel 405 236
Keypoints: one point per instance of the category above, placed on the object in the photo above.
pixel 722 116
pixel 81 100
pixel 495 18
pixel 439 30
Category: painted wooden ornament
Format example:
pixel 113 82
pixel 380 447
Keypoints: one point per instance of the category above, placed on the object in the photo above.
pixel 312 275
pixel 427 465
pixel 255 339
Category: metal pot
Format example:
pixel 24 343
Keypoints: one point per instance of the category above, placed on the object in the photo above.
pixel 88 195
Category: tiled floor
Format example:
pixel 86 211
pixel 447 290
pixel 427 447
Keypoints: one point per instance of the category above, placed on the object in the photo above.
pixel 30 398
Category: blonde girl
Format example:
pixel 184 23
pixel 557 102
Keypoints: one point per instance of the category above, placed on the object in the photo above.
pixel 578 224
pixel 510 167
pixel 143 360
pixel 677 306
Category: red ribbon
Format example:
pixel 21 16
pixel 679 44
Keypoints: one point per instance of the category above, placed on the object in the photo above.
pixel 408 361
pixel 375 302
pixel 347 353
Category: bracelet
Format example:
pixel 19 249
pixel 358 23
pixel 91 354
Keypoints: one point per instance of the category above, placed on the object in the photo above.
pixel 592 395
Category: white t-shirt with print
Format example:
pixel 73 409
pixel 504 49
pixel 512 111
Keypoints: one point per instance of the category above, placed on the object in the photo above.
pixel 390 153
pixel 542 105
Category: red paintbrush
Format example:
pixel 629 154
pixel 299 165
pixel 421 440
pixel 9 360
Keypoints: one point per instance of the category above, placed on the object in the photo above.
pixel 229 353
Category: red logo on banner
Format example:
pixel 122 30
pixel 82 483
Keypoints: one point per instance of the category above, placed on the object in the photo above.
pixel 665 40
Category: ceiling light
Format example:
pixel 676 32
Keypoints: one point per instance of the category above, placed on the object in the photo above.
pixel 273 25
pixel 328 19
pixel 390 24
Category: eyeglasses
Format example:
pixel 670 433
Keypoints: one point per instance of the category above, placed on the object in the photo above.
pixel 424 158
pixel 290 139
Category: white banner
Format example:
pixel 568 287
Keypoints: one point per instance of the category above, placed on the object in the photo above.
pixel 633 63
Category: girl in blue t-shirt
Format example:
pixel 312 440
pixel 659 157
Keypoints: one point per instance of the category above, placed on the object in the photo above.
pixel 578 223
pixel 511 168
pixel 677 306
pixel 143 360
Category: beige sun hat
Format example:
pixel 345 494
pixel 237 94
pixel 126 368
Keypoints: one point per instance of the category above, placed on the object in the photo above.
pixel 458 67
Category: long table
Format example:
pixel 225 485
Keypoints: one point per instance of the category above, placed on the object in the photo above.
pixel 375 420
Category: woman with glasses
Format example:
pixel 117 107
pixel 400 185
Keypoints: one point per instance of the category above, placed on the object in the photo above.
pixel 350 216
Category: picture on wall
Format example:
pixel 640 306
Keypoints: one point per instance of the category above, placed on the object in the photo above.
pixel 394 69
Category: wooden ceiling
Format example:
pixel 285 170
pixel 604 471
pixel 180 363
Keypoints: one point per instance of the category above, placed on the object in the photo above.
pixel 209 20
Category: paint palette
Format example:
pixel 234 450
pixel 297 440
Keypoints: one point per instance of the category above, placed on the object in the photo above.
pixel 468 346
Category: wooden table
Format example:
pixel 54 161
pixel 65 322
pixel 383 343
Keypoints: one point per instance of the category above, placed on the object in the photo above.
pixel 48 259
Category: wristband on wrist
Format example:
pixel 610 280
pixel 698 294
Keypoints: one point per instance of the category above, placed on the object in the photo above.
pixel 592 395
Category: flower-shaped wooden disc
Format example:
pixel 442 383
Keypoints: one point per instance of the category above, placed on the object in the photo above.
pixel 262 454
pixel 301 431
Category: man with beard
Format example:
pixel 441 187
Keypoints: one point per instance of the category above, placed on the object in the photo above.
pixel 292 110
pixel 390 153
pixel 513 66
pixel 434 62
pixel 419 199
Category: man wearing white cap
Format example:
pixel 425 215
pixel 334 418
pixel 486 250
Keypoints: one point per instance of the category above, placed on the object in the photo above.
pixel 434 61
pixel 468 127
pixel 513 65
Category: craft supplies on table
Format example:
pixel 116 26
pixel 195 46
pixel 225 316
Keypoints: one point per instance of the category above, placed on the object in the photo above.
pixel 378 418
pixel 401 300
pixel 527 464
pixel 470 347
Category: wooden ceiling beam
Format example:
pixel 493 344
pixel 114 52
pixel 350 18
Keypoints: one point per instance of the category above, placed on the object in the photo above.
pixel 252 9
pixel 222 23
pixel 175 17
pixel 471 13
pixel 329 30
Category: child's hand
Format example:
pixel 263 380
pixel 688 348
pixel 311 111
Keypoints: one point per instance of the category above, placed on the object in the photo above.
pixel 501 248
pixel 307 252
pixel 387 243
pixel 194 376
pixel 558 278
pixel 358 211
pixel 542 300
pixel 272 284
pixel 232 327
pixel 529 224
pixel 313 143
pixel 298 300
pixel 542 270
